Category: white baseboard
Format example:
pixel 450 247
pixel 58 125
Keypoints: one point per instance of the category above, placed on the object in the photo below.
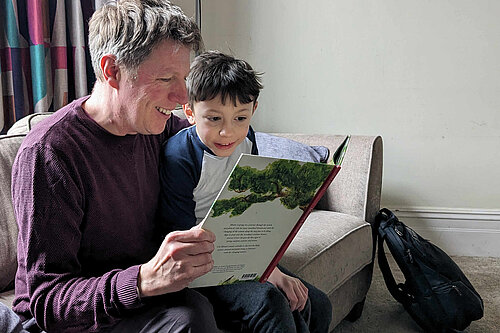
pixel 461 232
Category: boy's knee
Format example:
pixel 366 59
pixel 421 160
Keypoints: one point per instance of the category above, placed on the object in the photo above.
pixel 272 302
pixel 272 297
pixel 273 314
pixel 321 310
pixel 321 301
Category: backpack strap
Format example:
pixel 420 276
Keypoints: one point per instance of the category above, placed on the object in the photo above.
pixel 398 291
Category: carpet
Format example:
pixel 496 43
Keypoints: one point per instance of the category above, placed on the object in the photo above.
pixel 382 313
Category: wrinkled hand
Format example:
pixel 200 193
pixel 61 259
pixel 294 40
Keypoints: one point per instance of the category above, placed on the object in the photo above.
pixel 293 288
pixel 183 256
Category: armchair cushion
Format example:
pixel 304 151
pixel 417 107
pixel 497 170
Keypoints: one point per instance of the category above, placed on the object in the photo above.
pixel 329 249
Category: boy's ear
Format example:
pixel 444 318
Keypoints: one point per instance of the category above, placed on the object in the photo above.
pixel 255 107
pixel 189 113
pixel 110 70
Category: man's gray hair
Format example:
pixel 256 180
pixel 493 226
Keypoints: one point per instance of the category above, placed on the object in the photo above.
pixel 130 29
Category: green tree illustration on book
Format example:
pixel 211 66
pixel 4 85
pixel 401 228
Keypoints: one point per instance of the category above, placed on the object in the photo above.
pixel 293 182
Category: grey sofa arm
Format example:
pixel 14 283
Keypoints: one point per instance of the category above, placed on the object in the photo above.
pixel 356 189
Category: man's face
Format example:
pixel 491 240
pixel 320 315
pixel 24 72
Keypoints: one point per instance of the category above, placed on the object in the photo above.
pixel 221 127
pixel 147 99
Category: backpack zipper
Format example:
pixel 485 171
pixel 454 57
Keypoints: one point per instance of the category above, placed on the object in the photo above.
pixel 446 287
pixel 456 288
pixel 410 256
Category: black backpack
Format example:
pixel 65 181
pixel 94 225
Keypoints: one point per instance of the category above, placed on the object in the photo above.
pixel 436 293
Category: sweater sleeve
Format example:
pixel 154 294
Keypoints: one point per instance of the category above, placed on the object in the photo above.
pixel 49 207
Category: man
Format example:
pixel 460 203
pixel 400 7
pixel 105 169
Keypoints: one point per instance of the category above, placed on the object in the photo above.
pixel 85 189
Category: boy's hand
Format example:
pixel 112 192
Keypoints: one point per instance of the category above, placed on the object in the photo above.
pixel 293 288
pixel 183 256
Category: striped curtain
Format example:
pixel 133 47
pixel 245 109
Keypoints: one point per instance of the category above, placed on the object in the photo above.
pixel 44 56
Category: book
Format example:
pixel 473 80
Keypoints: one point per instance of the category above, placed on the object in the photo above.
pixel 258 212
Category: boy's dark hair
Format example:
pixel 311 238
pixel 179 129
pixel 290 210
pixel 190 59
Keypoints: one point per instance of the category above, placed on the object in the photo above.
pixel 214 73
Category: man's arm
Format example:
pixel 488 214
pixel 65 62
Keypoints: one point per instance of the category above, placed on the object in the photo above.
pixel 49 206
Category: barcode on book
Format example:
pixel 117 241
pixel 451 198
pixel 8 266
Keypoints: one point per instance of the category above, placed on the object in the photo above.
pixel 248 276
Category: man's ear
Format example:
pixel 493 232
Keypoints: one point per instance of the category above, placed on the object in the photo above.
pixel 255 107
pixel 110 70
pixel 189 113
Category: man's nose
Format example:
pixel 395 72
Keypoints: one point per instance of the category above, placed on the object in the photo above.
pixel 179 94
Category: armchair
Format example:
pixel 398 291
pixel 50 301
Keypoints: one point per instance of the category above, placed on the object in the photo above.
pixel 333 249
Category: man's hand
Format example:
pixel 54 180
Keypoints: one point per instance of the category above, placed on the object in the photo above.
pixel 293 288
pixel 183 256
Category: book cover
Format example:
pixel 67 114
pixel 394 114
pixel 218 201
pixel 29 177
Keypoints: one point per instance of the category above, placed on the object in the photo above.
pixel 258 212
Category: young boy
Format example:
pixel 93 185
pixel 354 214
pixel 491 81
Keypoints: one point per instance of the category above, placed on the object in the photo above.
pixel 222 97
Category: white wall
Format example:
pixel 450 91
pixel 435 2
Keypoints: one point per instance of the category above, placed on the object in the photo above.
pixel 425 75
pixel 188 6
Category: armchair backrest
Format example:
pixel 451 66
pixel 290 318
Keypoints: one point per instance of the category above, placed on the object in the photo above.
pixel 357 188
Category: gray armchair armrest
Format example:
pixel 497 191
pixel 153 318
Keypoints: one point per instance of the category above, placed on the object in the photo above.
pixel 356 189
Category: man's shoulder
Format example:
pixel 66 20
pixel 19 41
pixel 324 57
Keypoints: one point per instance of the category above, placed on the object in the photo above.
pixel 54 130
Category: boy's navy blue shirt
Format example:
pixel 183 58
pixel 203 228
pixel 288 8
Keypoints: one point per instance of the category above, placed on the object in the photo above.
pixel 185 158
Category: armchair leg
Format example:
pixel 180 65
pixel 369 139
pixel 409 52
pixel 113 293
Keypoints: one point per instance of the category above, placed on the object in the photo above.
pixel 356 311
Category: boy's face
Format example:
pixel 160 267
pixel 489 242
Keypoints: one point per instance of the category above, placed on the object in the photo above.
pixel 221 127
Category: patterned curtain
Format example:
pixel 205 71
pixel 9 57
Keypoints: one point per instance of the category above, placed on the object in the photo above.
pixel 44 56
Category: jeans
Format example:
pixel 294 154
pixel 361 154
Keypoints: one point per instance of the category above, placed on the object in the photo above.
pixel 241 307
pixel 9 321
pixel 263 308
pixel 186 311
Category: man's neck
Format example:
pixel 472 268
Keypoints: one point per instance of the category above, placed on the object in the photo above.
pixel 101 108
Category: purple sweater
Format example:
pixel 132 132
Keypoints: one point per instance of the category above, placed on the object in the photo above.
pixel 85 202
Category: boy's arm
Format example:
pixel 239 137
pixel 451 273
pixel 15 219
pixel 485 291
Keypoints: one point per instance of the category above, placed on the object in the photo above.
pixel 178 179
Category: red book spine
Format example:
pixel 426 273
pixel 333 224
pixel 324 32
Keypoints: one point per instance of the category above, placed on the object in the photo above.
pixel 299 223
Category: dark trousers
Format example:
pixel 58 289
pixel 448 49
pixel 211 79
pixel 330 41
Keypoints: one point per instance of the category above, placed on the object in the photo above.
pixel 263 308
pixel 9 321
pixel 241 307
pixel 186 311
